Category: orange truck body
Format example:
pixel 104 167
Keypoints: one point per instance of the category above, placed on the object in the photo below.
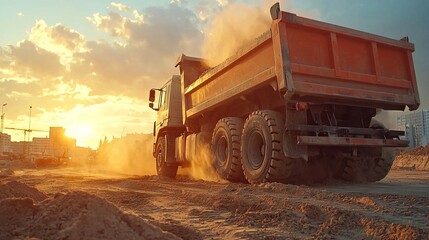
pixel 303 58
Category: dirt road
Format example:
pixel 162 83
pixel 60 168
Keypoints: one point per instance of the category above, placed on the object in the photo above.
pixel 395 208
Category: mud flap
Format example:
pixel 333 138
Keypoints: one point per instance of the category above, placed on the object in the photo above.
pixel 290 147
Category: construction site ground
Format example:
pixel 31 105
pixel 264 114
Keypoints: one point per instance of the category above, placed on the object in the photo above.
pixel 76 203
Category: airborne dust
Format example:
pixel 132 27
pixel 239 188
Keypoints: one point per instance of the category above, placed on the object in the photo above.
pixel 132 155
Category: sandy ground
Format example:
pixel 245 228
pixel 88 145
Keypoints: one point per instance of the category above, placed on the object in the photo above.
pixel 83 203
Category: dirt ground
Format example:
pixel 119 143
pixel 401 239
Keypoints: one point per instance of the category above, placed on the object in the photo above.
pixel 413 159
pixel 76 203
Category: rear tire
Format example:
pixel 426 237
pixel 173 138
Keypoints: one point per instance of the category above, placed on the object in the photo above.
pixel 355 170
pixel 381 166
pixel 371 168
pixel 226 149
pixel 262 149
pixel 162 169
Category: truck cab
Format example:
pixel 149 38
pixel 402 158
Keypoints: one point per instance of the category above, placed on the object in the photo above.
pixel 167 101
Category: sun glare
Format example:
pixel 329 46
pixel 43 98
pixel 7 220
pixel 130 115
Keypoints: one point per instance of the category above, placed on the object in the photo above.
pixel 81 133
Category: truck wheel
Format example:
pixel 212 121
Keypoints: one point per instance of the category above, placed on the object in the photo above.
pixel 162 169
pixel 226 148
pixel 381 166
pixel 262 153
pixel 355 170
pixel 371 168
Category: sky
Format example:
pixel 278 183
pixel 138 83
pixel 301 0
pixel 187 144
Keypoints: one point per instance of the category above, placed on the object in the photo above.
pixel 88 65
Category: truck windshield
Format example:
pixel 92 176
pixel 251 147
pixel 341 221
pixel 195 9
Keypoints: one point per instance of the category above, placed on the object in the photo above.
pixel 161 98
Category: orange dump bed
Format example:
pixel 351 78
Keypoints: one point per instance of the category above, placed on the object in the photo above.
pixel 322 59
pixel 309 60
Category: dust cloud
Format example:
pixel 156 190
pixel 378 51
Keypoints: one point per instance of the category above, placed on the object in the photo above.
pixel 236 24
pixel 131 154
pixel 202 167
pixel 229 29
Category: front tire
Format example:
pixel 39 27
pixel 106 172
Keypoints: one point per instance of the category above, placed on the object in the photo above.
pixel 162 168
pixel 226 149
pixel 262 152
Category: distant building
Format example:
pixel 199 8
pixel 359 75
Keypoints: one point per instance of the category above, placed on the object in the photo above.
pixel 61 144
pixel 5 143
pixel 57 145
pixel 20 148
pixel 42 146
pixel 58 135
pixel 416 127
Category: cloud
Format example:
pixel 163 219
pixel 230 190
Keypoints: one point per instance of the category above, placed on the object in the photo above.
pixel 58 39
pixel 223 2
pixel 113 23
pixel 64 91
pixel 146 52
pixel 56 36
pixel 27 59
pixel 120 7
pixel 18 95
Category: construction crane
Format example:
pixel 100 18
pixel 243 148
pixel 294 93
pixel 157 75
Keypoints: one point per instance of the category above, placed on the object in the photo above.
pixel 29 130
pixel 26 131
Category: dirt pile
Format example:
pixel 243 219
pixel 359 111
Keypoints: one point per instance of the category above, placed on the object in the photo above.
pixel 414 159
pixel 20 190
pixel 417 151
pixel 74 215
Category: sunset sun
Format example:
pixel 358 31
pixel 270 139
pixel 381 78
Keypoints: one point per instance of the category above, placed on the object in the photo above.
pixel 82 133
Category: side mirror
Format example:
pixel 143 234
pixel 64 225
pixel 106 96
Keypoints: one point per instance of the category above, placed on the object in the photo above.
pixel 152 95
pixel 151 106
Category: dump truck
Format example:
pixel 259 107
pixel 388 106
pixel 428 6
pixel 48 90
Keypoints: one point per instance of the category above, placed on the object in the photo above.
pixel 298 100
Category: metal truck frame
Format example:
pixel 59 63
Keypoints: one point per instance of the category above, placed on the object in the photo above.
pixel 298 99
